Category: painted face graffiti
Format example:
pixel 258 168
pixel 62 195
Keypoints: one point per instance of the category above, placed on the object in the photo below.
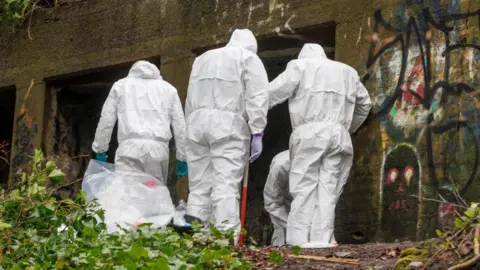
pixel 408 174
pixel 423 70
pixel 401 181
pixel 392 176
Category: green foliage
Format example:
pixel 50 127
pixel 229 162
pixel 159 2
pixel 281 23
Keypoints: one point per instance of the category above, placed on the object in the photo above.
pixel 410 255
pixel 470 218
pixel 38 232
pixel 14 12
pixel 275 257
pixel 296 250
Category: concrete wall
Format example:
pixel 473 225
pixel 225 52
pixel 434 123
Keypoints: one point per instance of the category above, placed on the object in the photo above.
pixel 422 68
pixel 377 37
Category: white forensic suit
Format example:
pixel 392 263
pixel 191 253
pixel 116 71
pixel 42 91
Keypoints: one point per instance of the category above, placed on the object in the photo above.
pixel 145 106
pixel 276 196
pixel 327 103
pixel 227 102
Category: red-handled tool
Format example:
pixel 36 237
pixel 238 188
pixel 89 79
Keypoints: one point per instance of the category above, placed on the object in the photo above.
pixel 243 212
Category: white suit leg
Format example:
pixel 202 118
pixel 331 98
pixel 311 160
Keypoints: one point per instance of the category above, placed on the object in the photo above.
pixel 305 155
pixel 229 157
pixel 156 161
pixel 334 171
pixel 200 174
pixel 216 155
pixel 279 232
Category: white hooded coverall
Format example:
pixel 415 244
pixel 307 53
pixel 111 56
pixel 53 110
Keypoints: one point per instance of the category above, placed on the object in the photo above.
pixel 145 106
pixel 227 101
pixel 327 102
pixel 276 196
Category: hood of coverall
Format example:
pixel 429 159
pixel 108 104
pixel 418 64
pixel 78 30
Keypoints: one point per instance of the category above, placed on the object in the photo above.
pixel 245 39
pixel 312 50
pixel 145 70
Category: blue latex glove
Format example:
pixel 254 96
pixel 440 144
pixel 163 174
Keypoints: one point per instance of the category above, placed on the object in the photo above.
pixel 181 169
pixel 102 157
pixel 256 147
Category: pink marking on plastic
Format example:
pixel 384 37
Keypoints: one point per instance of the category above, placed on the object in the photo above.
pixel 152 183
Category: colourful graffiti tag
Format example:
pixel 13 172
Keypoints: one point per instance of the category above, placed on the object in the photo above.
pixel 420 88
pixel 423 69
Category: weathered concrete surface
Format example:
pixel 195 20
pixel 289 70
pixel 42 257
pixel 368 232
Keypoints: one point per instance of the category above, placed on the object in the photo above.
pixel 104 33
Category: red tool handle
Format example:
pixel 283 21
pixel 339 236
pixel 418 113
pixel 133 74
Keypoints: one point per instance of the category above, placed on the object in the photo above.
pixel 243 212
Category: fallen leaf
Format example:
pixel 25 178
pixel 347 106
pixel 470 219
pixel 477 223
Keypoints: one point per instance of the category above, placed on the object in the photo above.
pixel 444 255
pixel 391 253
pixel 466 248
pixel 344 254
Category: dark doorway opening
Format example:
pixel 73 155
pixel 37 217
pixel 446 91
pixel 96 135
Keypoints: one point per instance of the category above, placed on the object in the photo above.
pixel 7 111
pixel 73 109
pixel 276 51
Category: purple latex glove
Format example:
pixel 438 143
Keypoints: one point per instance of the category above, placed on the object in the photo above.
pixel 257 147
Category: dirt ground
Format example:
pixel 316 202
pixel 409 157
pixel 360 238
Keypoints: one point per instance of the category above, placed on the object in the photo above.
pixel 371 256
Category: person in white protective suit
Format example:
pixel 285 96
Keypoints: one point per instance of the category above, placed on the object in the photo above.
pixel 327 103
pixel 276 196
pixel 145 106
pixel 227 103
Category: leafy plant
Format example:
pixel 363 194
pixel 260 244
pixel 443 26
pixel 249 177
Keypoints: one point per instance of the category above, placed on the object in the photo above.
pixel 14 12
pixel 39 232
pixel 461 243
pixel 275 257
pixel 470 218
pixel 296 250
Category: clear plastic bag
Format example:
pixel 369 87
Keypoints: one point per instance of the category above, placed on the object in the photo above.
pixel 128 198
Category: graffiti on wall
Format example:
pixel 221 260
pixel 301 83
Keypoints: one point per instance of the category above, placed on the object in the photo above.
pixel 401 175
pixel 423 69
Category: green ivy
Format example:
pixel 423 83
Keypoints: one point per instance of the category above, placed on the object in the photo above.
pixel 14 12
pixel 470 218
pixel 39 232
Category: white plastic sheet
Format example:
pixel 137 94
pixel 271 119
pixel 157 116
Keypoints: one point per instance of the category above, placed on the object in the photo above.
pixel 128 198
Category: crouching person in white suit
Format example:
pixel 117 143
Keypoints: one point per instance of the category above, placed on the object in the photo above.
pixel 277 196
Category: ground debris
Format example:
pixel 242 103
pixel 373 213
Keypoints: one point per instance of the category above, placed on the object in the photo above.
pixel 416 265
pixel 365 256
pixel 391 253
pixel 460 253
pixel 325 259
pixel 457 249
pixel 344 254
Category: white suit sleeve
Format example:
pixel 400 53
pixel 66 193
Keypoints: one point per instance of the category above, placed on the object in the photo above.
pixel 107 122
pixel 363 104
pixel 256 94
pixel 283 87
pixel 179 129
